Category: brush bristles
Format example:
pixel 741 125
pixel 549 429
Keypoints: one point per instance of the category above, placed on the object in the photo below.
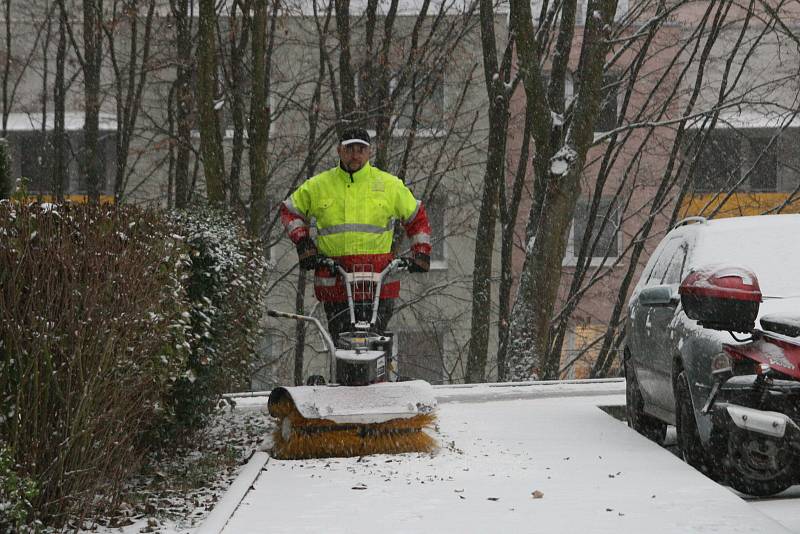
pixel 323 438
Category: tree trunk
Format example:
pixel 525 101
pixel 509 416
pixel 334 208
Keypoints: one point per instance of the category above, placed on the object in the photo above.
pixel 184 102
pixel 7 66
pixel 547 235
pixel 5 170
pixel 346 74
pixel 494 173
pixel 300 329
pixel 130 85
pixel 93 54
pixel 238 37
pixel 210 139
pixel 668 181
pixel 260 118
pixel 309 169
pixel 509 211
pixel 60 177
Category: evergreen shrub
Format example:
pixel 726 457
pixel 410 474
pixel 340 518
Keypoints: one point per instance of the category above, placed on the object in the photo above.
pixel 226 284
pixel 16 495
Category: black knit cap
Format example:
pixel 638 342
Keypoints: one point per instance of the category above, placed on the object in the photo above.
pixel 355 135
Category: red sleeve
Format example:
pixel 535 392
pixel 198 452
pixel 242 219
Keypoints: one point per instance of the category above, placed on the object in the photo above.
pixel 295 224
pixel 418 231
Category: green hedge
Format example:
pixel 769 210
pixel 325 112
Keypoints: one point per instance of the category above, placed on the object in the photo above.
pixel 226 285
pixel 16 495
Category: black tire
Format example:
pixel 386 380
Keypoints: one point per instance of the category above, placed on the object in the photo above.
pixel 757 465
pixel 689 443
pixel 315 380
pixel 644 424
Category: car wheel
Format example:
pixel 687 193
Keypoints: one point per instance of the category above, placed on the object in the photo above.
pixel 644 424
pixel 689 442
pixel 757 465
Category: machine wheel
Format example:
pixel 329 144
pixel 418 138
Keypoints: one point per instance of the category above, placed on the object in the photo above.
pixel 645 424
pixel 689 442
pixel 758 465
pixel 315 380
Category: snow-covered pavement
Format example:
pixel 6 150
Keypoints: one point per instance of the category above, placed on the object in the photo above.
pixel 785 508
pixel 535 458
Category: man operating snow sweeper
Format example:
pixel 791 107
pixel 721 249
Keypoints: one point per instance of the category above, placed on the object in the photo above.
pixel 354 207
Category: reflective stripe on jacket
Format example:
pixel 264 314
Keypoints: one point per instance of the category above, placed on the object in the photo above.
pixel 355 216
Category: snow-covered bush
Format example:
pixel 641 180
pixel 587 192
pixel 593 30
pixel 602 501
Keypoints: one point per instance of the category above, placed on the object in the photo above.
pixel 226 285
pixel 93 323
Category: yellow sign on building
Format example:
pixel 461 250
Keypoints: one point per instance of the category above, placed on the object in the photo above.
pixel 739 204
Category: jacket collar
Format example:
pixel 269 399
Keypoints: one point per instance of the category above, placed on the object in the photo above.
pixel 364 173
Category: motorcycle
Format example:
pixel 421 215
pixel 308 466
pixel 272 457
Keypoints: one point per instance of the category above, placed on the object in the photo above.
pixel 754 402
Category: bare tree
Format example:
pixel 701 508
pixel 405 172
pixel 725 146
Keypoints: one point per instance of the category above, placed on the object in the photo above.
pixel 91 62
pixel 130 78
pixel 260 114
pixel 558 168
pixel 398 68
pixel 59 162
pixel 183 101
pixel 609 212
pixel 497 74
pixel 210 136
pixel 234 30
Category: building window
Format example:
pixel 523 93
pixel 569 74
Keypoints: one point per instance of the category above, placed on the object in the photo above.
pixel 105 152
pixel 580 350
pixel 730 154
pixel 420 99
pixel 33 153
pixel 604 232
pixel 426 97
pixel 263 374
pixel 580 15
pixel 607 117
pixel 718 162
pixel 764 173
pixel 436 208
pixel 33 149
pixel 420 355
pixel 609 108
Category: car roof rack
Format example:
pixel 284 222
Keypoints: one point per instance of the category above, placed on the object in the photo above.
pixel 690 220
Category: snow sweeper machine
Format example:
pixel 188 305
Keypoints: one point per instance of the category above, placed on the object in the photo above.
pixel 363 408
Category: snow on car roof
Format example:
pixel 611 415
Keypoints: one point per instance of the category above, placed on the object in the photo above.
pixel 769 245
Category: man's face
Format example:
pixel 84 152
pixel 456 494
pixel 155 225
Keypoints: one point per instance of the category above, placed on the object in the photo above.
pixel 353 156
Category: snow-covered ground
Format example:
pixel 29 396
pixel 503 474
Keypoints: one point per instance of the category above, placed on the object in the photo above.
pixel 530 458
pixel 785 508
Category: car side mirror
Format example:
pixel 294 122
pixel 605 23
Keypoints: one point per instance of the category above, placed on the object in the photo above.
pixel 658 296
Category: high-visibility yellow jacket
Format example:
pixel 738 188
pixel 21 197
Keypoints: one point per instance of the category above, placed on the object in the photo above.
pixel 354 215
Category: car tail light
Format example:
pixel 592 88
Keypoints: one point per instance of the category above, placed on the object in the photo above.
pixel 721 361
pixel 742 365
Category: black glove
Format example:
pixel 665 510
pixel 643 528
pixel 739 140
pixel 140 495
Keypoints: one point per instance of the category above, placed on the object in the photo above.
pixel 418 263
pixel 307 254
